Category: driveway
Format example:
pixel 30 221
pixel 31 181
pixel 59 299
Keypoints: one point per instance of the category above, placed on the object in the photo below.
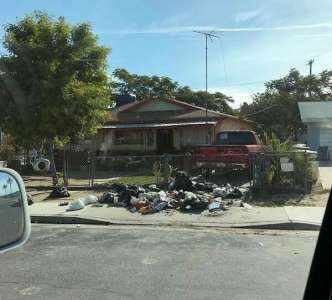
pixel 325 173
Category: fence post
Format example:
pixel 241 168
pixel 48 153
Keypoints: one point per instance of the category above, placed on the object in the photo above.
pixel 65 168
pixel 293 159
pixel 92 169
pixel 305 172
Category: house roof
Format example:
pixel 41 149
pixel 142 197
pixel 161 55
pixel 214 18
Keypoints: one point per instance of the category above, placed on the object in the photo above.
pixel 157 125
pixel 197 114
pixel 315 111
pixel 190 111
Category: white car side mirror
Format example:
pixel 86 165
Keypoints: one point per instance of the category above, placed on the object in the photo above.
pixel 14 217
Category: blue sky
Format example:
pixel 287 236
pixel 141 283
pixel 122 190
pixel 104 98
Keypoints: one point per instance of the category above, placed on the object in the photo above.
pixel 261 40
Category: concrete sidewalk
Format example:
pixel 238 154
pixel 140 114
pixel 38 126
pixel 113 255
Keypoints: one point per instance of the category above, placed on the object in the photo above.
pixel 289 217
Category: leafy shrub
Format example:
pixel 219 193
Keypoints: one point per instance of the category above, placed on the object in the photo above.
pixel 269 175
pixel 7 152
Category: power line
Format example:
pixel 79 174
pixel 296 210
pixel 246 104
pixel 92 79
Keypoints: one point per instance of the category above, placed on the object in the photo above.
pixel 262 110
pixel 207 35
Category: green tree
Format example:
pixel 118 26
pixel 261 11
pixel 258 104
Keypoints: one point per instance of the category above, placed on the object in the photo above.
pixel 214 101
pixel 276 109
pixel 144 87
pixel 53 82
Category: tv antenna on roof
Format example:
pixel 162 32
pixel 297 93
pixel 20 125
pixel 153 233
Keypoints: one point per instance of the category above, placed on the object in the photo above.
pixel 207 35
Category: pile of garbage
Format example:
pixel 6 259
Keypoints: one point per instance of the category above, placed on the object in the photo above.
pixel 184 193
pixel 59 192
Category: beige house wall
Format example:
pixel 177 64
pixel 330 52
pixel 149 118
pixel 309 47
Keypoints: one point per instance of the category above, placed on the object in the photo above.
pixel 233 124
pixel 185 136
pixel 190 136
pixel 107 137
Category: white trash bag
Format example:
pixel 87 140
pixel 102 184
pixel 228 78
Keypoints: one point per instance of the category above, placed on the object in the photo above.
pixel 80 203
pixel 76 205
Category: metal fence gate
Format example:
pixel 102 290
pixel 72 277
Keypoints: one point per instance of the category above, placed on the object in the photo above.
pixel 77 168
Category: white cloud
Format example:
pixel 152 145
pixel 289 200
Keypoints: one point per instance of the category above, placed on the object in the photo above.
pixel 244 16
pixel 186 29
pixel 327 35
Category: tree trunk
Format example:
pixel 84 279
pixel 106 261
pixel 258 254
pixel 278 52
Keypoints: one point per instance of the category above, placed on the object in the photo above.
pixel 55 179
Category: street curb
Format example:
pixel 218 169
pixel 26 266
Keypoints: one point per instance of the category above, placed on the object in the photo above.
pixel 284 226
pixel 292 225
pixel 66 220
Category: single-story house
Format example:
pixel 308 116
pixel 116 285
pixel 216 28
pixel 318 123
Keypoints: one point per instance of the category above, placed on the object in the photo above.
pixel 317 116
pixel 163 125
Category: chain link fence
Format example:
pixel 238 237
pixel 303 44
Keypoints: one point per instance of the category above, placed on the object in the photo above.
pixel 284 172
pixel 266 172
pixel 154 169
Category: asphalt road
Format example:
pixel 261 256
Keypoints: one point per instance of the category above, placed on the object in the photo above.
pixel 96 262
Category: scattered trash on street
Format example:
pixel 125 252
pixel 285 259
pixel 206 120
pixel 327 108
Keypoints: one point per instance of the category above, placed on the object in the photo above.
pixel 191 195
pixel 80 203
pixel 246 205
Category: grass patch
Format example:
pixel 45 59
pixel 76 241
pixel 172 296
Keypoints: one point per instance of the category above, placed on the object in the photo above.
pixel 135 180
pixel 268 200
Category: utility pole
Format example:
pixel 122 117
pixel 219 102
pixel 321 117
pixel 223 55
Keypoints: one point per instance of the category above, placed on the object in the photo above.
pixel 310 62
pixel 207 35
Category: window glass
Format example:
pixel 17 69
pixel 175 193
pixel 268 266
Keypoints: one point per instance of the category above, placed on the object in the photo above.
pixel 236 138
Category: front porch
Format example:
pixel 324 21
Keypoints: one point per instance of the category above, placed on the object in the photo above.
pixel 155 138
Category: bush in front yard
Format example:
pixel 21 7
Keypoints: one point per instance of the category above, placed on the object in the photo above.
pixel 7 152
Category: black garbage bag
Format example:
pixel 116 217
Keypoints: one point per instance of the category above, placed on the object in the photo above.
pixel 126 195
pixel 234 193
pixel 59 192
pixel 205 187
pixel 193 206
pixel 134 190
pixel 182 182
pixel 107 198
pixel 118 187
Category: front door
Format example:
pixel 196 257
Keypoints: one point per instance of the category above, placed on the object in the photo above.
pixel 164 140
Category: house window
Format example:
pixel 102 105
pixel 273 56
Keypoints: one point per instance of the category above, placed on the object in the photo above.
pixel 128 137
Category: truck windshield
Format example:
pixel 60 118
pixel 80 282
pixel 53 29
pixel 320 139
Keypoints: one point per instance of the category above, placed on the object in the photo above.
pixel 236 138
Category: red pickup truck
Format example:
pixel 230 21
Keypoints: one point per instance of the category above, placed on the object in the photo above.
pixel 231 149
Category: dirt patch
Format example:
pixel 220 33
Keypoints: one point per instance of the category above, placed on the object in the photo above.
pixel 37 181
pixel 318 199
